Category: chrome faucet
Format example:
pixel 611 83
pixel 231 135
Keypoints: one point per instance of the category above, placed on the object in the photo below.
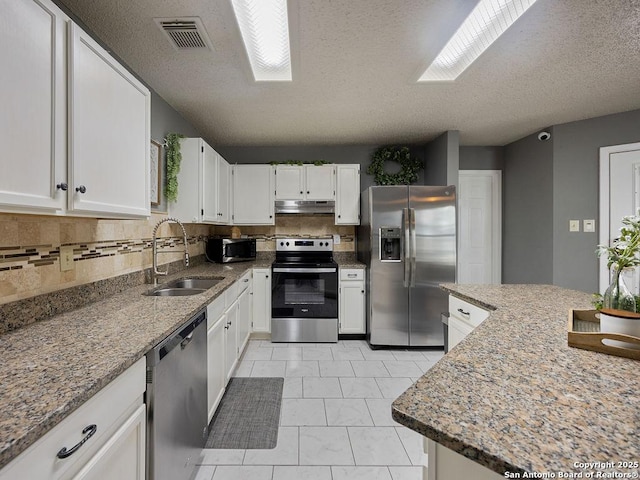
pixel 156 272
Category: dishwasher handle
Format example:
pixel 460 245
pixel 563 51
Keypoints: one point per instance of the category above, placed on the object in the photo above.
pixel 179 338
pixel 186 341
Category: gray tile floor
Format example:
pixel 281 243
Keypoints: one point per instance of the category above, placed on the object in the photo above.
pixel 335 422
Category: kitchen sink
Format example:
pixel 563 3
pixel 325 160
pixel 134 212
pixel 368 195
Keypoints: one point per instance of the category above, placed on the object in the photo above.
pixel 184 286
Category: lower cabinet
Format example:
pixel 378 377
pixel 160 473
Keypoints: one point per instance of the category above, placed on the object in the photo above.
pixel 216 379
pixel 463 318
pixel 351 301
pixel 243 319
pixel 261 300
pixel 116 449
pixel 445 464
pixel 230 341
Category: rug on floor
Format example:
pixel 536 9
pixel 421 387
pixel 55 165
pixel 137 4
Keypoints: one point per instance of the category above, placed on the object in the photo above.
pixel 248 414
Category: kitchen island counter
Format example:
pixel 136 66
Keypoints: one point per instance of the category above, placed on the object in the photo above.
pixel 514 397
pixel 52 367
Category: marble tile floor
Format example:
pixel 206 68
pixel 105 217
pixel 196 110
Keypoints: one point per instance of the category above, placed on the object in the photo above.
pixel 335 420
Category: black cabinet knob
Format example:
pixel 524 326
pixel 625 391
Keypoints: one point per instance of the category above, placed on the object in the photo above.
pixel 81 189
pixel 62 186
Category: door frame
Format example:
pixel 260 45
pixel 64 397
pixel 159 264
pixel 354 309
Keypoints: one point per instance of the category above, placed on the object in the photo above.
pixel 496 227
pixel 604 200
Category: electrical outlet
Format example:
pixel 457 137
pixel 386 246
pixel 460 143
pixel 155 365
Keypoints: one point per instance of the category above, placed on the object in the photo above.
pixel 574 225
pixel 588 225
pixel 66 258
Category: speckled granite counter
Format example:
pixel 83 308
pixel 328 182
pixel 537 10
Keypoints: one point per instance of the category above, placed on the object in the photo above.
pixel 347 260
pixel 52 367
pixel 513 396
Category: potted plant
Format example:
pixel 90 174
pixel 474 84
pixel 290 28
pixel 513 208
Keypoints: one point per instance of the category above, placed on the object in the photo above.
pixel 619 305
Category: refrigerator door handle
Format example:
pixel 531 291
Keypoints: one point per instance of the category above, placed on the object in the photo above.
pixel 406 247
pixel 412 228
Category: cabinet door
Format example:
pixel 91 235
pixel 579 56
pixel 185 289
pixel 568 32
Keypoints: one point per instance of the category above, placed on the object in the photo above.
pixel 123 456
pixel 320 182
pixel 108 133
pixel 188 205
pixel 209 181
pixel 223 182
pixel 262 300
pixel 216 379
pixel 253 195
pixel 290 182
pixel 348 195
pixel 230 342
pixel 457 331
pixel 33 114
pixel 352 305
pixel 244 320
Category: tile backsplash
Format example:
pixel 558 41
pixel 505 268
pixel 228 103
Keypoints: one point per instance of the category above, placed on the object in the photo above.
pixel 105 248
pixel 102 248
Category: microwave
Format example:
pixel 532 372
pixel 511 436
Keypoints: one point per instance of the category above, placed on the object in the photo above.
pixel 226 250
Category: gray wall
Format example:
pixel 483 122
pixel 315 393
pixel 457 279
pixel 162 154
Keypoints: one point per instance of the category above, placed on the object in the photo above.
pixel 442 159
pixel 576 158
pixel 481 158
pixel 527 236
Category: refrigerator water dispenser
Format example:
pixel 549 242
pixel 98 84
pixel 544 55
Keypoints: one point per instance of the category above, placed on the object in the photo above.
pixel 390 238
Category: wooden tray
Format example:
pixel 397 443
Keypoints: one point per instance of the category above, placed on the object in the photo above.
pixel 584 332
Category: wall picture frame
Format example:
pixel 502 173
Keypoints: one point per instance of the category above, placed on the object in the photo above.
pixel 155 180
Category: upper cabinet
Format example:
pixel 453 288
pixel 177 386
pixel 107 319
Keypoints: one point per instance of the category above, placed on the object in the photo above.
pixel 76 122
pixel 305 182
pixel 33 98
pixel 253 195
pixel 203 185
pixel 109 133
pixel 348 194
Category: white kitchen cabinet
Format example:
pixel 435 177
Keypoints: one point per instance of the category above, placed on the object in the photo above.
pixel 463 318
pixel 75 120
pixel 347 194
pixel 115 451
pixel 261 300
pixel 351 302
pixel 244 319
pixel 305 182
pixel 253 195
pixel 445 464
pixel 33 98
pixel 216 379
pixel 203 185
pixel 230 341
pixel 109 133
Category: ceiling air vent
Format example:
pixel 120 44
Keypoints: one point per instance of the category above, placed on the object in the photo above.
pixel 185 33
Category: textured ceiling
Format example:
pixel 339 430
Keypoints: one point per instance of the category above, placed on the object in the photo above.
pixel 356 62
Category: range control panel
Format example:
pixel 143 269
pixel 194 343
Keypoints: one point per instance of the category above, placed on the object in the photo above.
pixel 304 245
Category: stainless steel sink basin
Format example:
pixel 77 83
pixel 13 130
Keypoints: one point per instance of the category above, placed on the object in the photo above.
pixel 184 286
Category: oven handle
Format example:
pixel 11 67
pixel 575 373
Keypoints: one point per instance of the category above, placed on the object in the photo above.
pixel 304 270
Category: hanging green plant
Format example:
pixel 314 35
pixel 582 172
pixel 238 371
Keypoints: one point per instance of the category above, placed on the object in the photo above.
pixel 174 157
pixel 409 166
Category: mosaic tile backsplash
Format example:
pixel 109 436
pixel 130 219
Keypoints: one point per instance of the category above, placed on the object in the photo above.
pixel 105 248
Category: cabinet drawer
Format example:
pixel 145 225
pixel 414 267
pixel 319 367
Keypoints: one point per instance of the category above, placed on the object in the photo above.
pixel 352 274
pixel 467 312
pixel 231 294
pixel 215 310
pixel 244 282
pixel 108 409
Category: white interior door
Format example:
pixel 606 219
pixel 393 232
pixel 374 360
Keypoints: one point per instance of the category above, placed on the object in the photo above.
pixel 619 197
pixel 480 226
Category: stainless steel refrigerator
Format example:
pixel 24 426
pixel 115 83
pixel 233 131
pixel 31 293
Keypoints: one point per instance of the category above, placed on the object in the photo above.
pixel 407 238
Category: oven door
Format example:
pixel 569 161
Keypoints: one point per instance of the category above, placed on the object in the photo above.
pixel 300 292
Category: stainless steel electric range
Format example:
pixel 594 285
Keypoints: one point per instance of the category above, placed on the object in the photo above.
pixel 304 298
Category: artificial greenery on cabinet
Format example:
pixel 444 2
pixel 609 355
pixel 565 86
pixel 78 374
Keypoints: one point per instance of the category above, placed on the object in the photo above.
pixel 409 167
pixel 174 157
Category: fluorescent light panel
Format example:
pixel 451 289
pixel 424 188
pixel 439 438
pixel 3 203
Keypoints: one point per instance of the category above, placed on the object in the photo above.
pixel 264 26
pixel 482 27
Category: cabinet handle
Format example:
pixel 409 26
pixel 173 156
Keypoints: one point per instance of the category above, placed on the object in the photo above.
pixel 266 276
pixel 246 280
pixel 81 189
pixel 226 327
pixel 62 186
pixel 339 216
pixel 307 192
pixel 463 312
pixel 88 431
pixel 301 192
pixel 352 275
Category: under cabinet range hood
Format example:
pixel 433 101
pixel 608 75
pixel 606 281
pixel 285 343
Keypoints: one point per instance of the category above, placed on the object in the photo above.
pixel 307 207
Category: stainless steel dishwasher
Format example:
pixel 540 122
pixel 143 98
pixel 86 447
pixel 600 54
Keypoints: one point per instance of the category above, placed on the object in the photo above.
pixel 177 401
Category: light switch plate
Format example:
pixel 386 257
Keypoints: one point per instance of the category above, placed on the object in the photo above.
pixel 574 225
pixel 66 258
pixel 336 239
pixel 588 225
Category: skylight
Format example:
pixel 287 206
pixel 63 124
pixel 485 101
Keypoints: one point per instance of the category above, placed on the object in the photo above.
pixel 482 27
pixel 264 27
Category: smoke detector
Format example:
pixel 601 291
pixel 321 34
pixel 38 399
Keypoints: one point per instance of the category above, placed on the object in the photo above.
pixel 186 33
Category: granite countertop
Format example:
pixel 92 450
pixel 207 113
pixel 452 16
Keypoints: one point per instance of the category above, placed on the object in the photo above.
pixel 513 396
pixel 51 367
pixel 348 260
